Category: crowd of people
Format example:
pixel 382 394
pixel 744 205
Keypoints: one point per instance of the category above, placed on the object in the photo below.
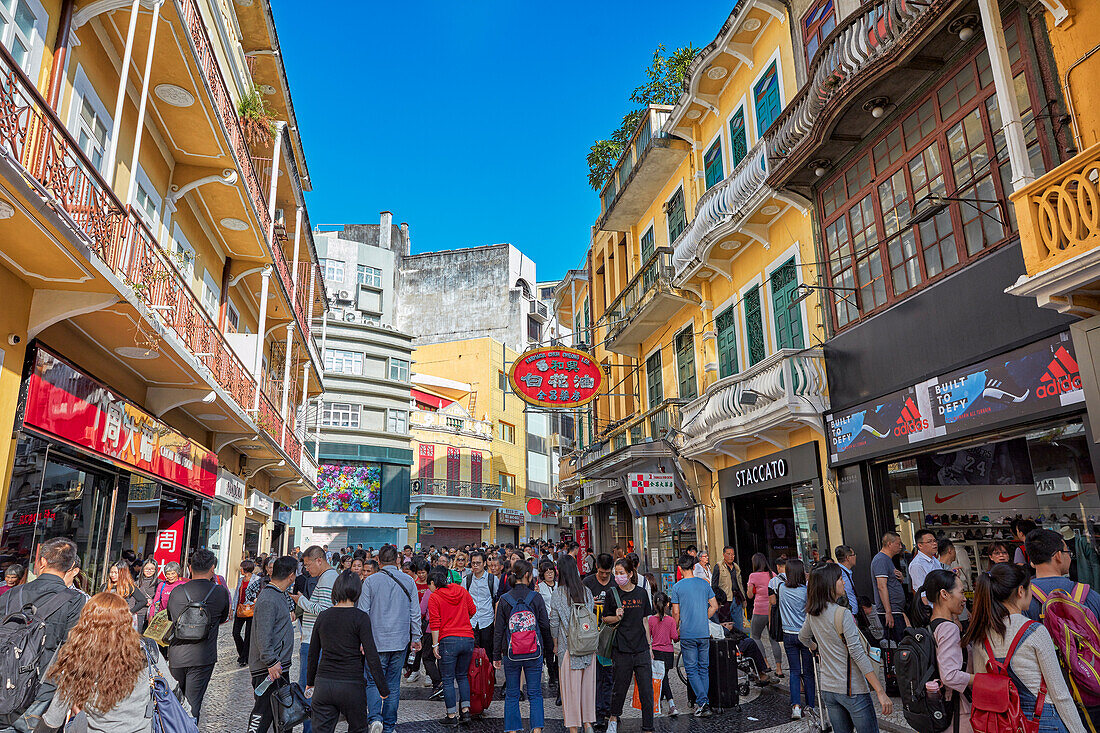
pixel 371 620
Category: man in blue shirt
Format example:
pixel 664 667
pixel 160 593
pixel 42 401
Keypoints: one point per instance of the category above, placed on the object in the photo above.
pixel 1049 555
pixel 846 560
pixel 693 603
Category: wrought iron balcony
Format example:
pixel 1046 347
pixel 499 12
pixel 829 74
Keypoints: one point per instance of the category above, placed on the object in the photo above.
pixel 659 423
pixel 457 489
pixel 720 211
pixel 784 391
pixel 862 42
pixel 648 160
pixel 645 304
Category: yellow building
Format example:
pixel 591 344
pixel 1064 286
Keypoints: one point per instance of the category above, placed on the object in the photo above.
pixel 482 364
pixel 159 265
pixel 704 314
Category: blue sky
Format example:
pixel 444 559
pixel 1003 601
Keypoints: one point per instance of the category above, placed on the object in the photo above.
pixel 470 121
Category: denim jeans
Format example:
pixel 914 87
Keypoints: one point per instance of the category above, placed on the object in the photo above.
pixel 855 714
pixel 532 677
pixel 454 666
pixel 801 670
pixel 737 616
pixel 386 710
pixel 696 654
pixel 303 663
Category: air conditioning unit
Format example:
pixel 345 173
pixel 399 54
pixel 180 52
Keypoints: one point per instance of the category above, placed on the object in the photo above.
pixel 350 316
pixel 344 295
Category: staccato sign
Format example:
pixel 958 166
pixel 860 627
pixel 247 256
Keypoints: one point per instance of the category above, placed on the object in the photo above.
pixel 557 377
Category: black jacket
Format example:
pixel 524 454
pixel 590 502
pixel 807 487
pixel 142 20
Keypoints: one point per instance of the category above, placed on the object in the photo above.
pixel 504 610
pixel 198 653
pixel 46 585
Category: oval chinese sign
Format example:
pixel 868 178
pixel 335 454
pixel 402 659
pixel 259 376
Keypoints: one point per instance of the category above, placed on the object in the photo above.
pixel 557 377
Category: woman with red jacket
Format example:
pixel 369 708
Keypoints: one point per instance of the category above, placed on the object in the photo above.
pixel 450 608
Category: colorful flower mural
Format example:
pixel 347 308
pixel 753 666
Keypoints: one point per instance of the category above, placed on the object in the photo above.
pixel 348 488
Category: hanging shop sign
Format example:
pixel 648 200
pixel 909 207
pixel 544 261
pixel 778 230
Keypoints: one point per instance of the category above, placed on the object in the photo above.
pixel 1042 377
pixel 230 488
pixel 64 402
pixel 534 506
pixel 261 502
pixel 651 483
pixel 557 377
pixel 510 517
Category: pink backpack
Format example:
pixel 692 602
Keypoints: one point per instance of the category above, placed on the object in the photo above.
pixel 1076 634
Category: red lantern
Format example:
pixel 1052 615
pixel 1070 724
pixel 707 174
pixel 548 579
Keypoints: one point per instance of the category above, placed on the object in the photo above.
pixel 534 507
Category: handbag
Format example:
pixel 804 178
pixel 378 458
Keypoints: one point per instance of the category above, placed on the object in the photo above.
pixel 607 636
pixel 245 610
pixel 289 706
pixel 658 677
pixel 165 707
pixel 160 628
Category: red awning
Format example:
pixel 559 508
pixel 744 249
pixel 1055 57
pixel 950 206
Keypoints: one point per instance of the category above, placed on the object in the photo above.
pixel 430 399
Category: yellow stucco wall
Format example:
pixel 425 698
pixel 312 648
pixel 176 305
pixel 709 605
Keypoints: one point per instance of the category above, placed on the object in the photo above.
pixel 1069 42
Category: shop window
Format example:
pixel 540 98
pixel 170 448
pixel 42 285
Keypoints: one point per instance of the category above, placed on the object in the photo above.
pixel 685 364
pixel 397 421
pixel 725 325
pixel 647 245
pixel 948 145
pixel 399 370
pixel 654 387
pixel 739 141
pixel 507 432
pixel 343 362
pixel 754 326
pixel 817 24
pixel 370 276
pixel 712 163
pixel 788 316
pixel 340 415
pixel 767 101
pixel 677 217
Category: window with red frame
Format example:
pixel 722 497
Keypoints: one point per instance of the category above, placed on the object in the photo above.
pixel 817 24
pixel 946 144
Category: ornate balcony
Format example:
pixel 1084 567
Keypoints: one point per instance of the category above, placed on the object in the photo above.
pixel 785 391
pixel 657 424
pixel 431 420
pixel 455 489
pixel 872 39
pixel 649 159
pixel 1059 219
pixel 721 211
pixel 645 304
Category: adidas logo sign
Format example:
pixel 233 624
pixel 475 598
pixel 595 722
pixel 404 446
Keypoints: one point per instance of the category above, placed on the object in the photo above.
pixel 910 420
pixel 1062 375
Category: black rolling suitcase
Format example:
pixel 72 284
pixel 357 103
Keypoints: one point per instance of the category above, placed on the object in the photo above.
pixel 723 691
pixel 889 672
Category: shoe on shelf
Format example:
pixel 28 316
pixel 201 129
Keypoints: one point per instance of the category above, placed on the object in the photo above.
pixel 704 712
pixel 375 727
pixel 796 712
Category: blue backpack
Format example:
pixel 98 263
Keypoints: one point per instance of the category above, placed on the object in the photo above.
pixel 523 629
pixel 164 707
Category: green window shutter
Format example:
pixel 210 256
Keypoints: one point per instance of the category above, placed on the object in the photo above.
pixel 725 323
pixel 647 245
pixel 712 163
pixel 653 379
pixel 677 217
pixel 685 364
pixel 754 326
pixel 766 98
pixel 739 141
pixel 788 320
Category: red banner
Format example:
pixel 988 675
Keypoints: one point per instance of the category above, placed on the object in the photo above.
pixel 169 547
pixel 557 377
pixel 65 402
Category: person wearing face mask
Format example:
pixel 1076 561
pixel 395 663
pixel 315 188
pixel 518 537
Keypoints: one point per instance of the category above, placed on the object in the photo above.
pixel 627 607
pixel 600 584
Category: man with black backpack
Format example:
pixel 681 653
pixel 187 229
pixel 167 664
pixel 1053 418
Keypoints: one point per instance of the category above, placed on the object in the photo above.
pixel 197 608
pixel 48 600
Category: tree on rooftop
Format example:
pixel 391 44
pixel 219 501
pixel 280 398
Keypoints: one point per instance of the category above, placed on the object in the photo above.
pixel 664 83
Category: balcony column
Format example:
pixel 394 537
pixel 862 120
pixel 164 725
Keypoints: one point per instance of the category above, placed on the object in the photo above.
pixel 1022 173
pixel 320 398
pixel 286 376
pixel 297 242
pixel 120 97
pixel 305 367
pixel 142 102
pixel 276 156
pixel 258 360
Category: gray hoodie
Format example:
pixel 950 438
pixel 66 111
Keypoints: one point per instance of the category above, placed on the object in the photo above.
pixel 272 631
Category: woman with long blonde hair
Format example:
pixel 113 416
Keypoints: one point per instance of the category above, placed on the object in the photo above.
pixel 102 670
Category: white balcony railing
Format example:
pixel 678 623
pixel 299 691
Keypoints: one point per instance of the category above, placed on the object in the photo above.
pixel 724 206
pixel 441 421
pixel 785 389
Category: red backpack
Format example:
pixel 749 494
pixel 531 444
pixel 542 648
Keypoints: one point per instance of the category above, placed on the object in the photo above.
pixel 995 706
pixel 1076 634
pixel 522 631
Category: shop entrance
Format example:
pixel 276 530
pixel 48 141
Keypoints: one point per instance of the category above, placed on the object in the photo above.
pixel 764 522
pixel 251 538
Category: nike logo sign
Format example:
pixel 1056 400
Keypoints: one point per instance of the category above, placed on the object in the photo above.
pixel 1006 499
pixel 942 499
pixel 1071 497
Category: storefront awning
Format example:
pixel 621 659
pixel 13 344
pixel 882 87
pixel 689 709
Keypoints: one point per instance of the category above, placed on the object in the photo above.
pixel 430 399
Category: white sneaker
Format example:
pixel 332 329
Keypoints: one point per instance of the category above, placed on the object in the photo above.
pixel 412 678
pixel 796 713
pixel 426 681
pixel 375 727
pixel 672 713
pixel 612 726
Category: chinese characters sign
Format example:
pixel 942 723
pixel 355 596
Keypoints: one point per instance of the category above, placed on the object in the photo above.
pixel 557 377
pixel 67 403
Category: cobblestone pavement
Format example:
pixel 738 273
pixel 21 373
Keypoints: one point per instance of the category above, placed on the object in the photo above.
pixel 229 700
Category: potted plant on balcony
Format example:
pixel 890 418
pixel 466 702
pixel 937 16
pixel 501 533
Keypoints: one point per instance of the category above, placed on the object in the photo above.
pixel 257 119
